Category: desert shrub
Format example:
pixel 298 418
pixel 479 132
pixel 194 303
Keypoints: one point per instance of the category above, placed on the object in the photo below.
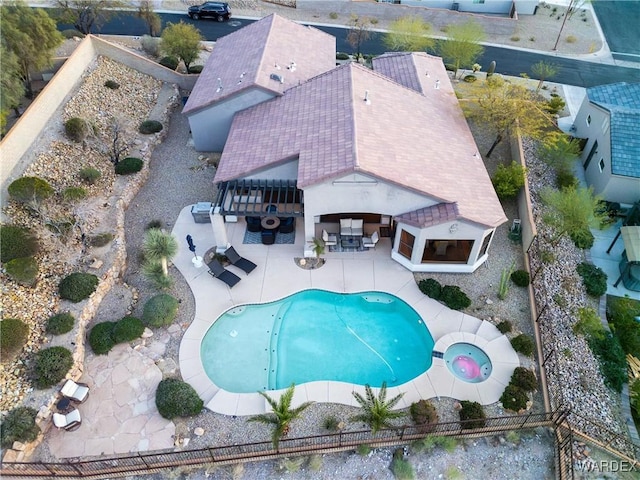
pixel 565 178
pixel 150 126
pixel 448 444
pixel 129 165
pixel 90 175
pixel 195 68
pixel 520 278
pixel 508 180
pixel 554 105
pixel 77 129
pixel 515 38
pixel 19 425
pixel 77 286
pixel 169 62
pixel 51 365
pixel 72 194
pixel 589 323
pixel 470 78
pixel 13 335
pixel 127 329
pixel 331 423
pixel 16 242
pixel 99 240
pixel 424 415
pixel 30 189
pixel 363 449
pixel 402 469
pixel 60 323
pixel 154 224
pixel 333 15
pixel 621 313
pixel 430 287
pixel 454 298
pixel 613 362
pixel 71 32
pixel 571 39
pixel 525 379
pixel 514 398
pixel 523 344
pixel 471 415
pixel 101 338
pixel 342 56
pixel 111 84
pixel 504 326
pixel 593 278
pixel 160 310
pixel 151 45
pixel 23 270
pixel 582 238
pixel 175 398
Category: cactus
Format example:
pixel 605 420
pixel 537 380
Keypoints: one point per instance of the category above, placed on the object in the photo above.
pixel 492 68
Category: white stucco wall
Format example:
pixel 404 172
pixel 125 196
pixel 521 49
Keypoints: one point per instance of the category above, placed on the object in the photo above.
pixel 210 126
pixel 489 6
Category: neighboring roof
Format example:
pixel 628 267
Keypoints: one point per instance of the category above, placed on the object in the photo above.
pixel 419 142
pixel 249 56
pixel 413 70
pixel 622 100
pixel 430 216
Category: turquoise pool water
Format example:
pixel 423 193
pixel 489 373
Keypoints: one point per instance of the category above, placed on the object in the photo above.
pixel 363 338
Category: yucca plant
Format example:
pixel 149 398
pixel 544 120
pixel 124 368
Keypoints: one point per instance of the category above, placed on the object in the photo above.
pixel 159 246
pixel 378 411
pixel 282 414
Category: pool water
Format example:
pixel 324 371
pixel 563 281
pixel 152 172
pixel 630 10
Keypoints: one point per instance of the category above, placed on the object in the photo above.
pixel 468 362
pixel 364 338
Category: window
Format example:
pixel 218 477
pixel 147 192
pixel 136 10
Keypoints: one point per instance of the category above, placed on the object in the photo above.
pixel 588 120
pixel 485 245
pixel 478 1
pixel 405 248
pixel 605 124
pixel 592 152
pixel 601 164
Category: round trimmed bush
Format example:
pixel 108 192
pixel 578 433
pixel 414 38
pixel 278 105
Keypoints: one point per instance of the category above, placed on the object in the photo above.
pixel 16 242
pixel 169 62
pixel 430 287
pixel 60 323
pixel 73 194
pixel 99 240
pixel 525 379
pixel 521 278
pixel 70 33
pixel 424 415
pixel 129 165
pixel 13 335
pixel 175 398
pixel 523 344
pixel 101 338
pixel 90 175
pixel 342 56
pixel 77 129
pixel 111 84
pixel 51 365
pixel 504 326
pixel 196 68
pixel 150 126
pixel 19 425
pixel 30 189
pixel 565 178
pixel 23 270
pixel 127 329
pixel 582 239
pixel 470 78
pixel 160 310
pixel 593 278
pixel 514 398
pixel 78 286
pixel 472 415
pixel 454 298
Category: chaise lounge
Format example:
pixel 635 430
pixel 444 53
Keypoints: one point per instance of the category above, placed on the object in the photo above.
pixel 76 392
pixel 247 266
pixel 69 422
pixel 218 271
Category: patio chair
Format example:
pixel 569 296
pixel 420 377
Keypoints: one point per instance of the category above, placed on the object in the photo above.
pixel 345 227
pixel 218 271
pixel 268 237
pixel 370 242
pixel 76 392
pixel 329 239
pixel 247 266
pixel 357 227
pixel 253 224
pixel 287 225
pixel 69 422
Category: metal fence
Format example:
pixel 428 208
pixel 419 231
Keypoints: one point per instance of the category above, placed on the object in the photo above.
pixel 154 461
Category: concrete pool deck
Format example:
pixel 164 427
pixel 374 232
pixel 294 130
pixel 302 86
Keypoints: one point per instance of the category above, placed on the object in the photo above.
pixel 278 276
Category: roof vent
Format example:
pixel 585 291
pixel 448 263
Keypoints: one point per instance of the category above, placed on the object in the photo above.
pixel 437 84
pixel 427 72
pixel 277 66
pixel 292 66
pixel 219 85
pixel 366 97
pixel 276 77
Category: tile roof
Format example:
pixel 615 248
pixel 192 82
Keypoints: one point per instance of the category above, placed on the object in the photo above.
pixel 248 57
pixel 622 100
pixel 430 216
pixel 417 141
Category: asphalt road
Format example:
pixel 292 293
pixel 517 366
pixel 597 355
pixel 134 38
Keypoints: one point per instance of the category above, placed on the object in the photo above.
pixel 620 22
pixel 508 61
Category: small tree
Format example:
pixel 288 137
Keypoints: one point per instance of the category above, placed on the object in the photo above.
pixel 508 180
pixel 378 411
pixel 11 86
pixel 559 151
pixel 118 141
pixel 282 414
pixel 543 70
pixel 160 247
pixel 462 47
pixel 359 32
pixel 183 41
pixel 87 14
pixel 30 190
pixel 408 34
pixel 151 18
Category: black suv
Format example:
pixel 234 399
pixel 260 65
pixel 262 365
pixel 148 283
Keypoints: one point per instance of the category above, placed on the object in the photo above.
pixel 218 10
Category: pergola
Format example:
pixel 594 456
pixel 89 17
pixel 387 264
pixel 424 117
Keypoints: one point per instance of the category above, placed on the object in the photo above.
pixel 251 197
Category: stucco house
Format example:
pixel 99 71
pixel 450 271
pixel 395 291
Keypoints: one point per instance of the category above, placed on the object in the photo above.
pixel 389 147
pixel 609 119
pixel 494 7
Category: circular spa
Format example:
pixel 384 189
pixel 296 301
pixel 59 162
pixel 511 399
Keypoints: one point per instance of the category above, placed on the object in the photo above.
pixel 468 362
pixel 313 335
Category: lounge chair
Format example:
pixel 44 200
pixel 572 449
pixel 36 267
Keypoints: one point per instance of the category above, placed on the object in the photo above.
pixel 357 227
pixel 77 392
pixel 329 239
pixel 69 422
pixel 370 242
pixel 247 266
pixel 217 270
pixel 287 225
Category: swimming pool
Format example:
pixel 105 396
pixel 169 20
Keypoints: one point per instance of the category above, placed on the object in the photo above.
pixel 363 338
pixel 468 362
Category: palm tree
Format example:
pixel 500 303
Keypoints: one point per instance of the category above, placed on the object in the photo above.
pixel 282 414
pixel 377 410
pixel 160 246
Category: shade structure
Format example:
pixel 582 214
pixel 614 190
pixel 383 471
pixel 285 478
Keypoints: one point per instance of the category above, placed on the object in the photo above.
pixel 631 239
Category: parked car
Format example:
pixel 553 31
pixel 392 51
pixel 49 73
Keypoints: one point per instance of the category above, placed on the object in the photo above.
pixel 218 10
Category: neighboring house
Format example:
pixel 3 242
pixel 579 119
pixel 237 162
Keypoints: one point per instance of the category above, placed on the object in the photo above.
pixel 250 66
pixel 609 119
pixel 503 7
pixel 390 147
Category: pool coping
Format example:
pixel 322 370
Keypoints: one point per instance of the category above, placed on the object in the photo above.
pixel 446 326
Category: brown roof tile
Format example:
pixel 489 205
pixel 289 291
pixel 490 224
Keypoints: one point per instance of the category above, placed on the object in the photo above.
pixel 430 216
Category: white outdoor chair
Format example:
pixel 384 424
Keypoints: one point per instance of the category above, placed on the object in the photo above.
pixel 71 421
pixel 78 392
pixel 345 227
pixel 329 239
pixel 357 227
pixel 370 242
